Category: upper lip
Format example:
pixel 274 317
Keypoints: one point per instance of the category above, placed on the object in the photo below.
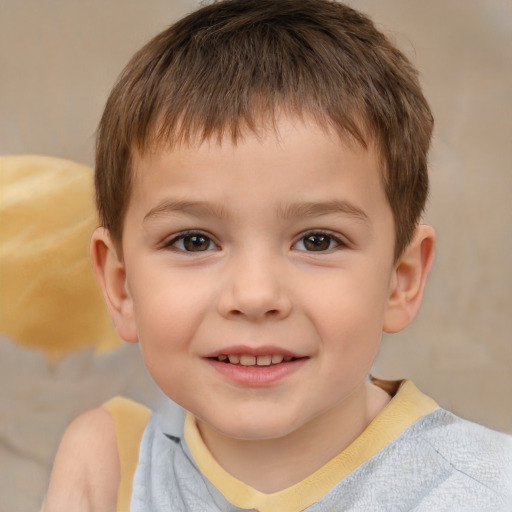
pixel 263 350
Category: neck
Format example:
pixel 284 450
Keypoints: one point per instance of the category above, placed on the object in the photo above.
pixel 271 465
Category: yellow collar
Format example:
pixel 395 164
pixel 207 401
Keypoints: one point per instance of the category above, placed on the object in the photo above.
pixel 406 407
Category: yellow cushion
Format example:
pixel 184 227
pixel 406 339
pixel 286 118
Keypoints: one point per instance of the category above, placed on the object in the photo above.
pixel 130 420
pixel 49 298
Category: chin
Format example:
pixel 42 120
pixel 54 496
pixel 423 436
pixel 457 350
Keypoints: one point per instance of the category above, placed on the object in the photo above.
pixel 252 428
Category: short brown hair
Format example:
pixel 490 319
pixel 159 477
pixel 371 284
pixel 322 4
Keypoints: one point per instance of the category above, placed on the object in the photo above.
pixel 232 64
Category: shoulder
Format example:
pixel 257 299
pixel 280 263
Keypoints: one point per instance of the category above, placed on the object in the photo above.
pixel 86 471
pixel 479 455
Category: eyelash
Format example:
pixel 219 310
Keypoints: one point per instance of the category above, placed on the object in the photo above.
pixel 171 244
pixel 339 243
pixel 324 236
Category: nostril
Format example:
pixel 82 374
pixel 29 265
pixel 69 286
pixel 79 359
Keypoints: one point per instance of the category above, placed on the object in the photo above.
pixel 269 314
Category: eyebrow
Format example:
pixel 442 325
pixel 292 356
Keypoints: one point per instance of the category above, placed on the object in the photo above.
pixel 299 209
pixel 172 206
pixel 315 209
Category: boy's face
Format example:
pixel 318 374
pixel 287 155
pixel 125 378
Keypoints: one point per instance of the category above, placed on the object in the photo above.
pixel 275 248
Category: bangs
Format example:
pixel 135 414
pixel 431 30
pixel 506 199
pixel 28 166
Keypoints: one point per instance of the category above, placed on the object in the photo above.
pixel 209 81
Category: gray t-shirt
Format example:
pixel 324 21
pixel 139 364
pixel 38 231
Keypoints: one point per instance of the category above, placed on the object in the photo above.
pixel 439 463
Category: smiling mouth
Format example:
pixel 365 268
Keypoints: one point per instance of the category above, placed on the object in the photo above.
pixel 250 360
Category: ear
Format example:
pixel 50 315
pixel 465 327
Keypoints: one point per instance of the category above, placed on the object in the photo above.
pixel 408 280
pixel 111 275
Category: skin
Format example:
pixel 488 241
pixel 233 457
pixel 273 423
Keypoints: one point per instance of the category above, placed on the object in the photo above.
pixel 252 284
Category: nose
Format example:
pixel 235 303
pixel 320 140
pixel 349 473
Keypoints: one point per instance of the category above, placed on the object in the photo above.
pixel 255 288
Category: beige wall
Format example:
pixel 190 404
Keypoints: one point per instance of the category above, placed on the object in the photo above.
pixel 58 60
pixel 460 347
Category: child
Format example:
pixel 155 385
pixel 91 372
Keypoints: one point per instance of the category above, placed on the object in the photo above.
pixel 261 173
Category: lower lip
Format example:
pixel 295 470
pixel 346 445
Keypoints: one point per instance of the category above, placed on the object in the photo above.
pixel 257 376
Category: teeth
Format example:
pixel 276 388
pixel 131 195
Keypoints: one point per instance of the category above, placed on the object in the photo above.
pixel 248 360
pixel 264 360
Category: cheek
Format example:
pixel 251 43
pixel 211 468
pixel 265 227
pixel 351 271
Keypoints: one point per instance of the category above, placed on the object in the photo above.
pixel 167 322
pixel 168 309
pixel 348 297
pixel 348 312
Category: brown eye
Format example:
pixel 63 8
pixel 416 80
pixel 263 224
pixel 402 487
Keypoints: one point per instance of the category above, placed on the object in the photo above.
pixel 192 242
pixel 196 243
pixel 317 242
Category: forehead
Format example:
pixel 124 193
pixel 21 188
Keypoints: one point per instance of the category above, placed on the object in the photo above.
pixel 296 168
pixel 281 129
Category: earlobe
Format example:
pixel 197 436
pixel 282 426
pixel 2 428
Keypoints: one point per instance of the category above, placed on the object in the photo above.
pixel 111 275
pixel 408 280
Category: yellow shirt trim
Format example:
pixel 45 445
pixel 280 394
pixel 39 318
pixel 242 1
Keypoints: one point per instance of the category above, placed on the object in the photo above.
pixel 406 407
pixel 130 420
